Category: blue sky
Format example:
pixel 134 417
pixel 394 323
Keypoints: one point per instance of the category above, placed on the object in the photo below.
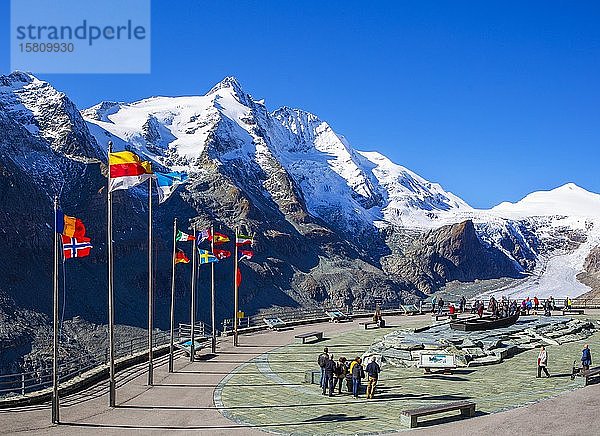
pixel 491 99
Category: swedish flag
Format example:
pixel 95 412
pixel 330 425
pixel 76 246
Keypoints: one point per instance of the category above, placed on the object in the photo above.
pixel 206 256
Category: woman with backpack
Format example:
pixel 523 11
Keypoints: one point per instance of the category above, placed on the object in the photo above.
pixel 340 374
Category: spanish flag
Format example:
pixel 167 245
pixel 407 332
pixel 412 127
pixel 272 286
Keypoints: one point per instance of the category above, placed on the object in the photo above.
pixel 127 170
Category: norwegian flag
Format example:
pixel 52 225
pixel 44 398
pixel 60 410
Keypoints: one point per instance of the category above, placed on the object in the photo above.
pixel 76 247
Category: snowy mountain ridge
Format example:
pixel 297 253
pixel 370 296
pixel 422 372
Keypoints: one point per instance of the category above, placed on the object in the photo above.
pixel 369 188
pixel 568 200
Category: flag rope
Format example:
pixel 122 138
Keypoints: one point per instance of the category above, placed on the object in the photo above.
pixel 62 316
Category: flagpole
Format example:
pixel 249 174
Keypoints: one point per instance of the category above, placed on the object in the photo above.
pixel 172 298
pixel 55 403
pixel 212 294
pixel 193 308
pixel 150 287
pixel 111 311
pixel 235 293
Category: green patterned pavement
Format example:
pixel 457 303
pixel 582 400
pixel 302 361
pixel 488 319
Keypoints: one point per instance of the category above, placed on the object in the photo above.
pixel 269 391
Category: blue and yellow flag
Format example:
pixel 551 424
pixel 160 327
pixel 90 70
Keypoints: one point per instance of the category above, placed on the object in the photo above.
pixel 206 256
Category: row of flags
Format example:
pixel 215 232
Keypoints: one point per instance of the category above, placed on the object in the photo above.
pixel 243 242
pixel 126 171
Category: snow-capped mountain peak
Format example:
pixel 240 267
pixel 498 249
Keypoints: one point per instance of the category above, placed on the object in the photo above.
pixel 16 80
pixel 47 114
pixel 230 86
pixel 566 200
pixel 369 188
pixel 227 82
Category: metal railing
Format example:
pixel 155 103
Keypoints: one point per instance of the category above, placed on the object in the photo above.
pixel 200 329
pixel 288 315
pixel 40 378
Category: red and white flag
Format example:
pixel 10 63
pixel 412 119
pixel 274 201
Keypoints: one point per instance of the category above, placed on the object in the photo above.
pixel 76 247
pixel 221 254
pixel 245 254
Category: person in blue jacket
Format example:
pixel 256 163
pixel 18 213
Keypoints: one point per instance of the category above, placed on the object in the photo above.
pixel 586 357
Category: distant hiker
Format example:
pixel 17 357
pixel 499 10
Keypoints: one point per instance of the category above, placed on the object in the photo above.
pixel 462 304
pixel 340 374
pixel 377 315
pixel 433 301
pixel 373 370
pixel 586 357
pixel 474 307
pixel 440 305
pixel 451 309
pixel 329 371
pixel 322 361
pixel 547 308
pixel 542 362
pixel 480 309
pixel 569 303
pixel 358 374
pixel 492 305
pixel 536 303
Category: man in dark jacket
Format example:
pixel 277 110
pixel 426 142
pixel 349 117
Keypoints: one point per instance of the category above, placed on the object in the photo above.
pixel 322 360
pixel 329 371
pixel 373 370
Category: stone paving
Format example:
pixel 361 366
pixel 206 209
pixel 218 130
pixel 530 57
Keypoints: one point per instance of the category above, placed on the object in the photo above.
pixel 269 390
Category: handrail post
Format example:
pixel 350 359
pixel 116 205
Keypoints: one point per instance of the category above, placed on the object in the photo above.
pixel 23 383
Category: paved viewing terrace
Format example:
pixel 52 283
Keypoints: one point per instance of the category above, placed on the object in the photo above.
pixel 259 387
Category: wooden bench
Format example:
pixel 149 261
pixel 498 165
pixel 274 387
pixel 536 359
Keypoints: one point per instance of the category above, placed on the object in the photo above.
pixel 573 312
pixel 368 323
pixel 409 417
pixel 585 375
pixel 445 315
pixel 317 335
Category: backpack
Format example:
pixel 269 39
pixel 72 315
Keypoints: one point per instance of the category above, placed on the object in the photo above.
pixel 322 360
pixel 339 369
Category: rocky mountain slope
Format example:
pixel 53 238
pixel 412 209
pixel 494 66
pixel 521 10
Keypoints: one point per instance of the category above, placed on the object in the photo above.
pixel 590 275
pixel 446 254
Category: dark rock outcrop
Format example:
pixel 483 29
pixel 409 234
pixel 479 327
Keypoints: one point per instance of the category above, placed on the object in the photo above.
pixel 591 273
pixel 452 252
